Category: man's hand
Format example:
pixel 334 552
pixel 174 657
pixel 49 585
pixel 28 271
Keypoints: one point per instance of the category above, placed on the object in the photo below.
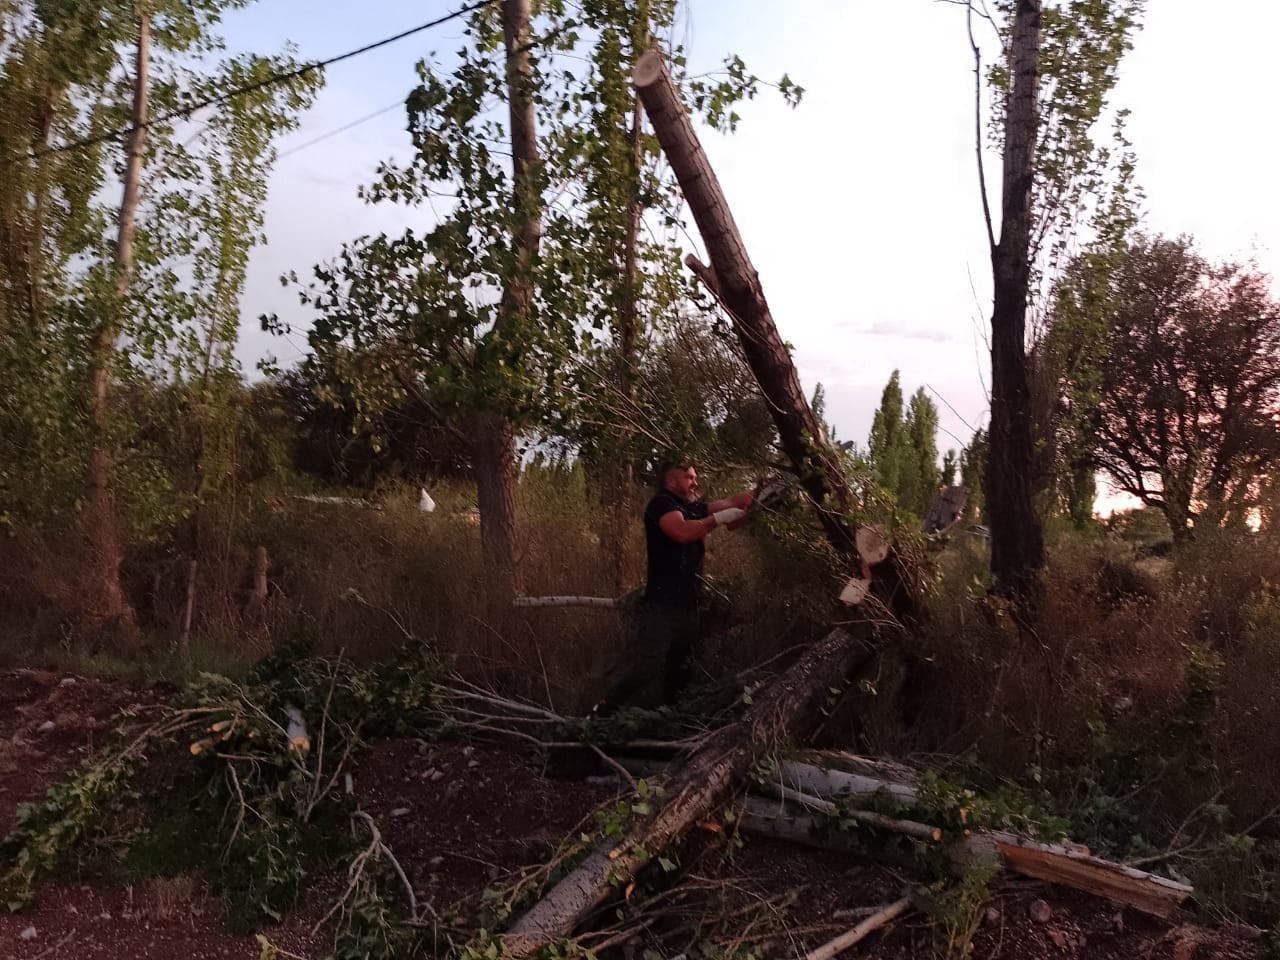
pixel 729 515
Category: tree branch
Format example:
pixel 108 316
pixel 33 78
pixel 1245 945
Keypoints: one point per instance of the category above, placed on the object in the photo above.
pixel 977 122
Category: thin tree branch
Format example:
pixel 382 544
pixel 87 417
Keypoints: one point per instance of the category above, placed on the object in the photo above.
pixel 977 123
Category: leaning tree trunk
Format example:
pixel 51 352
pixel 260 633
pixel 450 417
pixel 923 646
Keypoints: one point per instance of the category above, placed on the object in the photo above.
pixel 493 439
pixel 735 282
pixel 1017 542
pixel 785 710
pixel 109 604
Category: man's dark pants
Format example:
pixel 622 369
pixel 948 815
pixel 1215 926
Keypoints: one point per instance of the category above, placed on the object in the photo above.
pixel 654 665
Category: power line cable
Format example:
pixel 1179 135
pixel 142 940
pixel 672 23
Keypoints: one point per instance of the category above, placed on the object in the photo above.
pixel 223 97
pixel 342 129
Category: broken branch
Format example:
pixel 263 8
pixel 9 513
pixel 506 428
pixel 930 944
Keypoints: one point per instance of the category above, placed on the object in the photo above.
pixel 870 925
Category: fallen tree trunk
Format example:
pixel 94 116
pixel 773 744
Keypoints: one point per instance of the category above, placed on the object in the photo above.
pixel 1066 864
pixel 828 783
pixel 786 708
pixel 1074 867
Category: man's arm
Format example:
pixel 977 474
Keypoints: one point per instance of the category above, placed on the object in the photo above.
pixel 675 526
pixel 742 501
pixel 681 530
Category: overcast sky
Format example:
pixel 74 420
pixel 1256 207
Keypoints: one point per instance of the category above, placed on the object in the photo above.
pixel 860 208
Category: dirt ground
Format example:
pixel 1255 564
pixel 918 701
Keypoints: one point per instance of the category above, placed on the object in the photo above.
pixel 459 818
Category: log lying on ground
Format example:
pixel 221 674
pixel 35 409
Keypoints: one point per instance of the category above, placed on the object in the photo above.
pixel 1068 865
pixel 1074 867
pixel 829 783
pixel 787 707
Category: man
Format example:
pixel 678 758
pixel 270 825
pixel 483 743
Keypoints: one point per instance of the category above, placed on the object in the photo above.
pixel 675 523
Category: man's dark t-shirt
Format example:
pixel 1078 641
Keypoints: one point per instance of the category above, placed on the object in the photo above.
pixel 674 568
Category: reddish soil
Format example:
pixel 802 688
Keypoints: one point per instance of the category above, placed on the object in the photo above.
pixel 459 818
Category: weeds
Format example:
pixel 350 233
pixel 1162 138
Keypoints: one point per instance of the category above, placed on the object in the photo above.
pixel 256 804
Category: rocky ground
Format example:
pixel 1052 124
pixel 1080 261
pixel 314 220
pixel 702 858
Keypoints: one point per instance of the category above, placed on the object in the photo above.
pixel 460 817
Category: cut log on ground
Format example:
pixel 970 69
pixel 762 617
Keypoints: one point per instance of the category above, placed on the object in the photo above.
pixel 832 784
pixel 1079 870
pixel 787 707
pixel 910 828
pixel 1068 865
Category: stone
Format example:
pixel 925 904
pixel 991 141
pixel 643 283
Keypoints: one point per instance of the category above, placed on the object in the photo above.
pixel 1040 911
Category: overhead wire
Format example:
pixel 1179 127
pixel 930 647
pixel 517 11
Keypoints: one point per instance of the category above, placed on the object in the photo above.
pixel 226 95
pixel 337 130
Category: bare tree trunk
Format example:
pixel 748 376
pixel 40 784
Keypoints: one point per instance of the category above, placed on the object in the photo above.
pixel 1017 541
pixel 627 331
pixel 493 444
pixel 737 284
pixel 188 608
pixel 494 463
pixel 257 601
pixel 787 707
pixel 110 605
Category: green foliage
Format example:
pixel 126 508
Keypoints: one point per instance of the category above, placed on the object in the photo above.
pixel 886 445
pixel 202 214
pixel 1082 182
pixel 1154 315
pixel 973 475
pixel 954 907
pixel 370 927
pixel 76 810
pixel 421 315
pixel 903 447
pixel 255 810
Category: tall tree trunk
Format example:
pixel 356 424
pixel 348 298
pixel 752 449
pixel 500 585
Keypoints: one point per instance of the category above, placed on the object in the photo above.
pixel 493 444
pixel 493 461
pixel 110 605
pixel 1017 542
pixel 627 333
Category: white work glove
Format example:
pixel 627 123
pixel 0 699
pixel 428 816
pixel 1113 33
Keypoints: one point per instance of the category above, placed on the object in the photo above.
pixel 728 515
